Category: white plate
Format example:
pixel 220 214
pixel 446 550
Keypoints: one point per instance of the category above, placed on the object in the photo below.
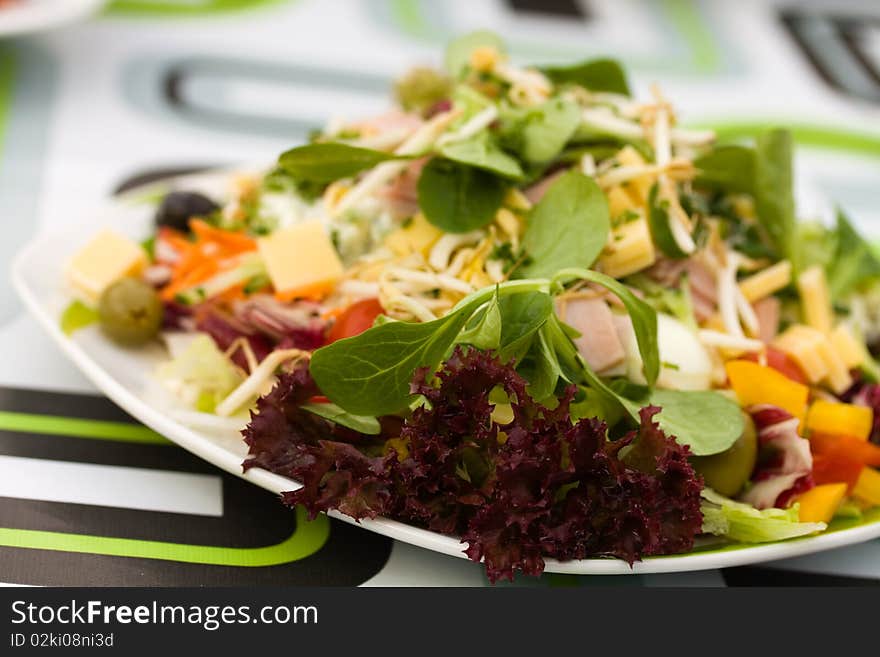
pixel 27 16
pixel 125 377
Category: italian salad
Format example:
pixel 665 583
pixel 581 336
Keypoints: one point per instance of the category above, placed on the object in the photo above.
pixel 524 308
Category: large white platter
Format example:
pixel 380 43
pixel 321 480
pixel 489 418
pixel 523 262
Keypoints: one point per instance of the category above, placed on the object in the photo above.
pixel 125 376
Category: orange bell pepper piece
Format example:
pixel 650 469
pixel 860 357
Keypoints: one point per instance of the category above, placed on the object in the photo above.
pixel 819 504
pixel 757 384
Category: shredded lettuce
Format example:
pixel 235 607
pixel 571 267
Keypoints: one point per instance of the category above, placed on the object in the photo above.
pixel 201 375
pixel 743 522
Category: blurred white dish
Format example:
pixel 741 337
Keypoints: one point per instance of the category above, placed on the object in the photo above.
pixel 28 16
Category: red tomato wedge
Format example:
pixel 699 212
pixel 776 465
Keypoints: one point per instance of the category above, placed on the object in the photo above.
pixel 355 319
pixel 780 362
pixel 848 446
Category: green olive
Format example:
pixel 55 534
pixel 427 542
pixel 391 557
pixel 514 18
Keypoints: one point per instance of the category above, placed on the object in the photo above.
pixel 420 88
pixel 130 312
pixel 729 471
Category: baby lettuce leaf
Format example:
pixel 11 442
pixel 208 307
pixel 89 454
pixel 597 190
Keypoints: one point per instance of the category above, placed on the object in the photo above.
pixel 458 52
pixel 538 134
pixel 76 316
pixel 704 420
pixel 853 263
pixel 765 172
pixel 522 315
pixel 481 152
pixel 567 228
pixel 773 191
pixel 370 373
pixel 484 330
pixel 326 162
pixel 361 423
pixel 595 75
pixel 458 198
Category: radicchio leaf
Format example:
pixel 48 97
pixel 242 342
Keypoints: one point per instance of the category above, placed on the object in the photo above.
pixel 516 493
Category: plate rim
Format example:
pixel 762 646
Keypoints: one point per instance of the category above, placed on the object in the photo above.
pixel 725 556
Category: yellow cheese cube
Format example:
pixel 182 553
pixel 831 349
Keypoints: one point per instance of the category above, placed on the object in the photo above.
pixel 301 260
pixel 838 378
pixel 850 350
pixel 108 257
pixel 618 202
pixel 417 236
pixel 629 250
pixel 766 282
pixel 640 187
pixel 802 343
pixel 816 299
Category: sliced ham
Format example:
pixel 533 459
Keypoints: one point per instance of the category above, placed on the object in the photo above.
pixel 599 342
pixel 704 291
pixel 391 121
pixel 536 192
pixel 401 194
pixel 768 311
pixel 785 463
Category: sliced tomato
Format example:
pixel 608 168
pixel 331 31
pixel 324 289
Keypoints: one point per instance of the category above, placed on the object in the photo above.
pixel 355 319
pixel 781 362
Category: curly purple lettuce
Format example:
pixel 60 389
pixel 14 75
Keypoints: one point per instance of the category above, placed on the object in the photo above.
pixel 537 486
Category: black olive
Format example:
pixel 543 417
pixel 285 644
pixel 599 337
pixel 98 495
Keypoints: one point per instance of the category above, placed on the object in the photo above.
pixel 177 208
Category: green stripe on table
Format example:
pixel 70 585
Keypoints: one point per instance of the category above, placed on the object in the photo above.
pixel 80 427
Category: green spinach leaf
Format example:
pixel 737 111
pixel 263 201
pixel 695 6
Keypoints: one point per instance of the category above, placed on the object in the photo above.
pixel 595 75
pixel 853 263
pixel 370 373
pixel 704 420
pixel 458 198
pixel 326 162
pixel 522 315
pixel 773 190
pixel 481 152
pixel 568 227
pixel 729 168
pixel 538 134
pixel 658 220
pixel 362 423
pixel 486 329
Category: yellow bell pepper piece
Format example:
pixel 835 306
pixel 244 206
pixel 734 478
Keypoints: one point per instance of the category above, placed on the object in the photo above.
pixel 819 504
pixel 757 384
pixel 839 419
pixel 867 488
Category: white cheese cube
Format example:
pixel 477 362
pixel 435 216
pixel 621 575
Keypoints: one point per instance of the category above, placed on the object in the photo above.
pixel 301 260
pixel 107 258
